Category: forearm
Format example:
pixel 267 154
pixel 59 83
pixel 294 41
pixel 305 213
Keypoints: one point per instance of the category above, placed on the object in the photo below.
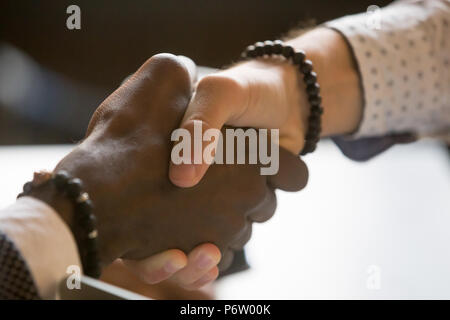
pixel 338 79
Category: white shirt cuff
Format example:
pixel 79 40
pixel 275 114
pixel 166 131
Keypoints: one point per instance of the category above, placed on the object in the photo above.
pixel 44 240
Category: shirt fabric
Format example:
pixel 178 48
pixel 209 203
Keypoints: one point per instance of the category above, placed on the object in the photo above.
pixel 16 281
pixel 403 55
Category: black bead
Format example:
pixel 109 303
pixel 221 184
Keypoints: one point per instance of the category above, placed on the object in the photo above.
pixel 268 47
pixel 316 110
pixel 318 136
pixel 313 147
pixel 74 188
pixel 92 270
pixel 251 53
pixel 313 89
pixel 315 100
pixel 288 52
pixel 250 48
pixel 314 118
pixel 88 222
pixel 84 208
pixel 259 49
pixel 277 47
pixel 314 133
pixel 298 57
pixel 310 78
pixel 91 256
pixel 309 147
pixel 309 144
pixel 60 179
pixel 306 67
pixel 91 245
pixel 27 187
pixel 314 126
pixel 310 135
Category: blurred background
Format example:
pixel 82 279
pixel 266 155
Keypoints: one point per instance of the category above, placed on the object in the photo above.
pixel 52 78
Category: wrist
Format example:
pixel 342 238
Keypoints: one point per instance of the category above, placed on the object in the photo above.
pixel 47 193
pixel 78 165
pixel 338 79
pixel 277 98
pixel 68 198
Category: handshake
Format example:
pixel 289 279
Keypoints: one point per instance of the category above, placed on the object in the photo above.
pixel 149 206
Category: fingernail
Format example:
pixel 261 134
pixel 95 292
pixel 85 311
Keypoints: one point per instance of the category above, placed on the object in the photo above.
pixel 204 280
pixel 204 262
pixel 183 174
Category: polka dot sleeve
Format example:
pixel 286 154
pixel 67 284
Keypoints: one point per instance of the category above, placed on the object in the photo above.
pixel 403 54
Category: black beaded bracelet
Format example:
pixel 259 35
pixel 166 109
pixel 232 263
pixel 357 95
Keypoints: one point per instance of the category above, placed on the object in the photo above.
pixel 298 58
pixel 84 222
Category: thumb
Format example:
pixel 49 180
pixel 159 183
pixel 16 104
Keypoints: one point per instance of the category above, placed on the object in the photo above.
pixel 292 174
pixel 216 100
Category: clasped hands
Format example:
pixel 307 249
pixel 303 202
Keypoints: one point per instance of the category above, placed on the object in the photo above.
pixel 184 221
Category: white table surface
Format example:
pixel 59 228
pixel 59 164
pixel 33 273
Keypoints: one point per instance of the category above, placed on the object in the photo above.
pixel 392 213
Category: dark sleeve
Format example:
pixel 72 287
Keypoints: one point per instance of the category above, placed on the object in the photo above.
pixel 365 148
pixel 16 281
pixel 239 264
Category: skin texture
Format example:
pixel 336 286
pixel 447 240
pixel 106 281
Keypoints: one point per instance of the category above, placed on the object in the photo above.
pixel 123 164
pixel 270 93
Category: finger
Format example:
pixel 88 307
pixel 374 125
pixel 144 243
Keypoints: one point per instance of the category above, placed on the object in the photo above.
pixel 158 267
pixel 216 100
pixel 209 277
pixel 227 260
pixel 292 174
pixel 243 238
pixel 200 261
pixel 266 208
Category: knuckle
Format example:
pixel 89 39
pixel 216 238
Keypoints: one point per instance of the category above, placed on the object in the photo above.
pixel 265 209
pixel 164 68
pixel 223 86
pixel 220 81
pixel 163 62
pixel 243 238
pixel 258 196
